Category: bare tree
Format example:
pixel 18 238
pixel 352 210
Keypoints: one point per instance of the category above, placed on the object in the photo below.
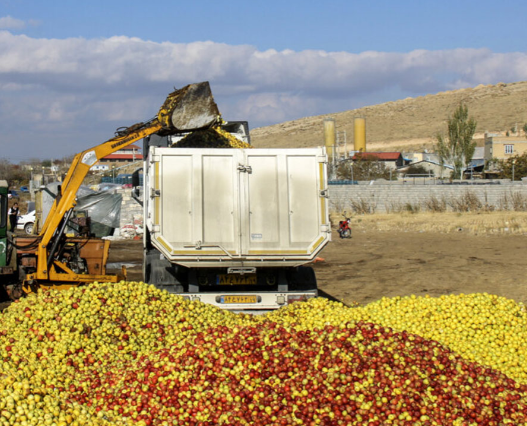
pixel 14 174
pixel 457 149
pixel 6 170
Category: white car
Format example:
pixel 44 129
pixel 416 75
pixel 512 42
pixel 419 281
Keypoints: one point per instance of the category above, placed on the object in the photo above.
pixel 26 222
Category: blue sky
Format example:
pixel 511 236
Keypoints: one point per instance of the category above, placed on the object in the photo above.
pixel 72 72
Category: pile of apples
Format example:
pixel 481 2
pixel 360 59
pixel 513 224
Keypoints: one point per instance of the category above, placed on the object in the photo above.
pixel 484 328
pixel 129 354
pixel 214 137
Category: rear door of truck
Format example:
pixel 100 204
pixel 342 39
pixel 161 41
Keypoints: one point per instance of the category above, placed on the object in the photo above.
pixel 281 201
pixel 238 203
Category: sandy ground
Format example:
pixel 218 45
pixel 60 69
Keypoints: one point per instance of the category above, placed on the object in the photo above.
pixel 372 265
pixel 375 264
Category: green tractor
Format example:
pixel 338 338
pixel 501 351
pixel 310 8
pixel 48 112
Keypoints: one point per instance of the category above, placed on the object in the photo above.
pixel 7 256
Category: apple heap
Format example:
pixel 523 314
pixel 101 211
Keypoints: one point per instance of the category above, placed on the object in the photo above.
pixel 271 375
pixel 214 137
pixel 488 329
pixel 485 328
pixel 131 354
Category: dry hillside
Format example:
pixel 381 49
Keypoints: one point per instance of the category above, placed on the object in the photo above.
pixel 409 124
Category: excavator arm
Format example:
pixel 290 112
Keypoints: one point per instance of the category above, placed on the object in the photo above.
pixel 187 109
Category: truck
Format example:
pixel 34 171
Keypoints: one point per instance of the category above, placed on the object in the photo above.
pixel 231 226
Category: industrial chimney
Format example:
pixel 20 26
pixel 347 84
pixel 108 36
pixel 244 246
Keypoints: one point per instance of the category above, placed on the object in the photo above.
pixel 359 141
pixel 330 137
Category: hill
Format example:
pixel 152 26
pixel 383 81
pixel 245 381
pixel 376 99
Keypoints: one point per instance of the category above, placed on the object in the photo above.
pixel 409 124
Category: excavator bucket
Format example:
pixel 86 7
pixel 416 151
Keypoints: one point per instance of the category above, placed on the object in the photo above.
pixel 189 108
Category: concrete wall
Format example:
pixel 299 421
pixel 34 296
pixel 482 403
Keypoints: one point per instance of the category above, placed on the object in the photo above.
pixel 397 196
pixel 131 210
pixel 382 197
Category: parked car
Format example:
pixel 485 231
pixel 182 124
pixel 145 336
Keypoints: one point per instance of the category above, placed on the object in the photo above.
pixel 109 186
pixel 24 189
pixel 26 222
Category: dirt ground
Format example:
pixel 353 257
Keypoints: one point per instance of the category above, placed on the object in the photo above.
pixel 388 264
pixel 375 264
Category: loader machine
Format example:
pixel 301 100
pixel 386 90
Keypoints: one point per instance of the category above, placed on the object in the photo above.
pixel 51 259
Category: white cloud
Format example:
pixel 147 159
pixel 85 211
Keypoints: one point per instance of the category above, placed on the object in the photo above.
pixel 91 86
pixel 273 107
pixel 10 23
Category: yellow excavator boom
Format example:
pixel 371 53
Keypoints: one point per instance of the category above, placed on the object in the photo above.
pixel 189 108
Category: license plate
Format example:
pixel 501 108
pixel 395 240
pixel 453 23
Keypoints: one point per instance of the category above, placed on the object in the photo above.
pixel 234 279
pixel 239 299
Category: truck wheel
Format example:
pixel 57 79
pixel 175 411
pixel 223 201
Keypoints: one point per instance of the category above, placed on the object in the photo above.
pixel 304 279
pixel 160 273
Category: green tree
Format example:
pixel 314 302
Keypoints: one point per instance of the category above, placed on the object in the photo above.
pixel 457 148
pixel 365 167
pixel 525 129
pixel 516 162
pixel 418 169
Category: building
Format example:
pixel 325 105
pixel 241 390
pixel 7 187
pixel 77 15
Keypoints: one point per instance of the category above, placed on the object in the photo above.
pixel 429 167
pixel 476 166
pixel 414 157
pixel 128 154
pixel 392 160
pixel 504 147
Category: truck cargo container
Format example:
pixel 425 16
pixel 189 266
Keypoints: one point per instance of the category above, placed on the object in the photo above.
pixel 234 227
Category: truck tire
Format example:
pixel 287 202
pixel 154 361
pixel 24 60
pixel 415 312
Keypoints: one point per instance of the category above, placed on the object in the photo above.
pixel 160 273
pixel 303 279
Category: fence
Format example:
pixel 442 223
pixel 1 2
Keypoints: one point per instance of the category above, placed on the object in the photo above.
pixel 385 197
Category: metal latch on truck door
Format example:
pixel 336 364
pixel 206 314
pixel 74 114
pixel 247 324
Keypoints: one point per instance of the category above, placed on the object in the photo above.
pixel 245 169
pixel 324 193
pixel 154 193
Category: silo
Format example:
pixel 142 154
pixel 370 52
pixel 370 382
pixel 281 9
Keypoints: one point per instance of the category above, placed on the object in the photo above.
pixel 359 140
pixel 330 137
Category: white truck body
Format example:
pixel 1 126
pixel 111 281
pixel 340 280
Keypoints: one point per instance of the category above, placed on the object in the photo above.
pixel 240 209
